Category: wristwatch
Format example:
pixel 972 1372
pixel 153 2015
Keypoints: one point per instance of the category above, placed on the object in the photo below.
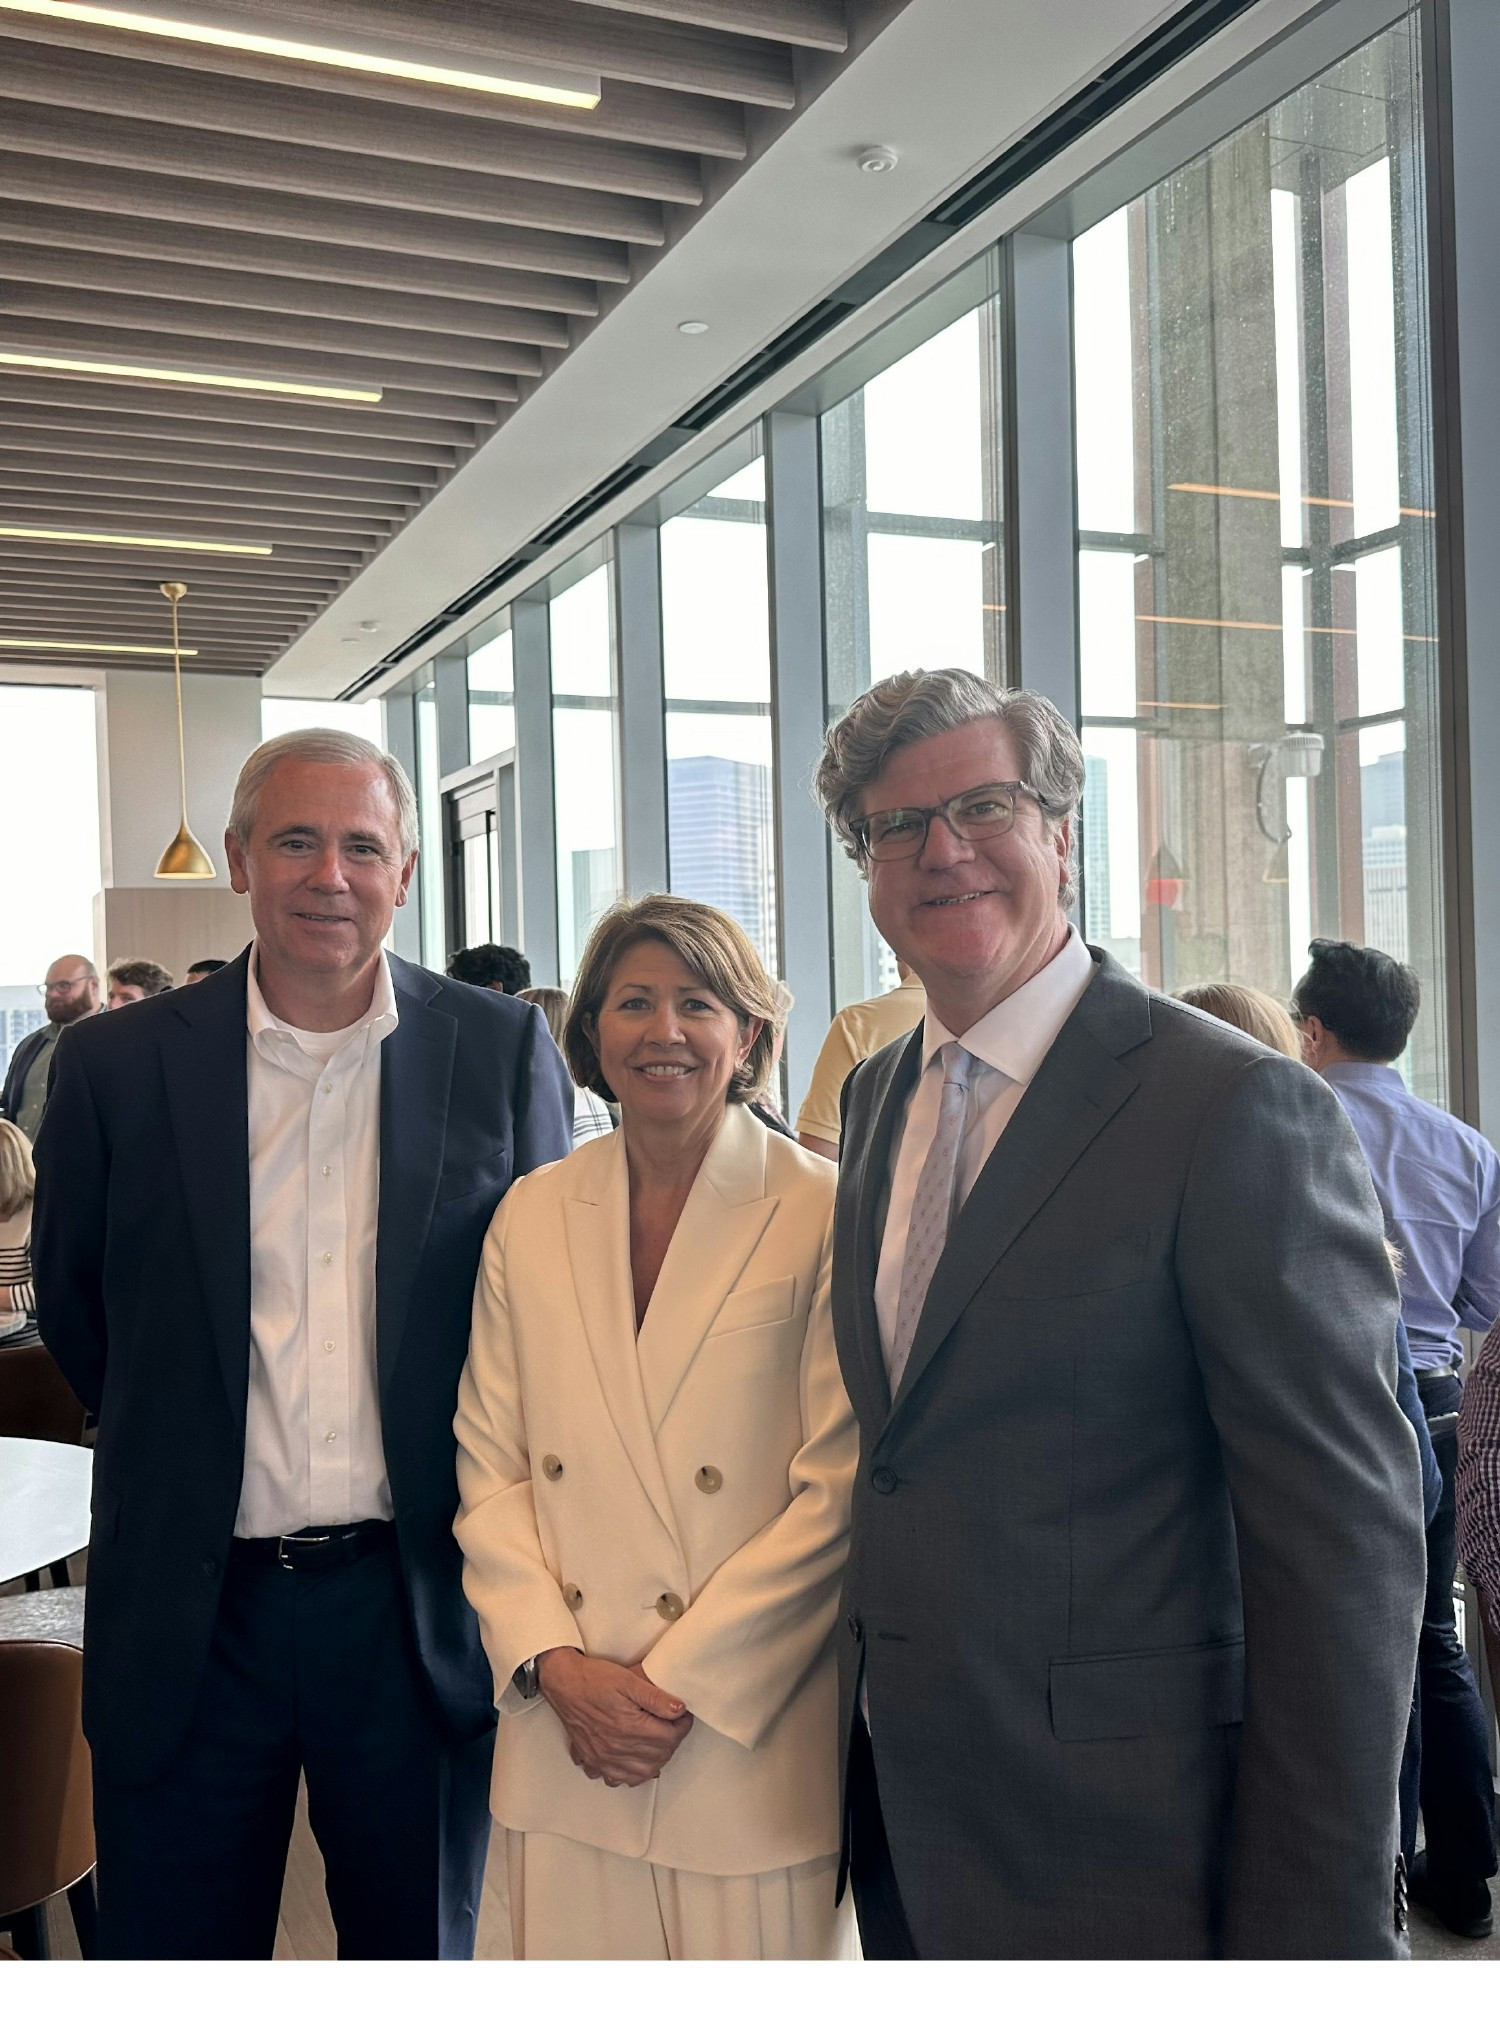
pixel 526 1681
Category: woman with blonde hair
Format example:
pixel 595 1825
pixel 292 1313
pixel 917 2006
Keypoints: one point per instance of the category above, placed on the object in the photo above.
pixel 655 1455
pixel 17 1185
pixel 1253 1013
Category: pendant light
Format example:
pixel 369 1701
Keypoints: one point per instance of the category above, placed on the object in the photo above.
pixel 184 857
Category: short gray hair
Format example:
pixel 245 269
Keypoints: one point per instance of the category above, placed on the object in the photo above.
pixel 908 707
pixel 320 748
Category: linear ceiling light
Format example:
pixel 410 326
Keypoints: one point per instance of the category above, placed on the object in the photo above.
pixel 554 87
pixel 213 379
pixel 85 645
pixel 157 545
pixel 1274 496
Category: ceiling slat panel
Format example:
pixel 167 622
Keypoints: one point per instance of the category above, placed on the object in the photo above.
pixel 272 256
pixel 202 104
pixel 814 24
pixel 218 451
pixel 68 404
pixel 92 470
pixel 248 165
pixel 186 283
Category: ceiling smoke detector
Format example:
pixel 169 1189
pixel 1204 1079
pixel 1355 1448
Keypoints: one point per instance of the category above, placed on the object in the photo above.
pixel 877 159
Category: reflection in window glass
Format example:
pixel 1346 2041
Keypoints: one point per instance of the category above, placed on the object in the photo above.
pixel 53 803
pixel 912 567
pixel 717 665
pixel 430 818
pixel 1256 579
pixel 492 699
pixel 584 740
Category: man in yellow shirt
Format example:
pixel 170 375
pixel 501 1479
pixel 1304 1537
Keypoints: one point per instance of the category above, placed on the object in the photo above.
pixel 855 1032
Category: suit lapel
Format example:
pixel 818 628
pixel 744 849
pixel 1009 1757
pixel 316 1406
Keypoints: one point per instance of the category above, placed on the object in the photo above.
pixel 598 1228
pixel 895 1080
pixel 416 1074
pixel 1078 1090
pixel 207 1087
pixel 721 1224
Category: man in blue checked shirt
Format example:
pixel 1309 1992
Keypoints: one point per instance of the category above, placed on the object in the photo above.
pixel 1438 1182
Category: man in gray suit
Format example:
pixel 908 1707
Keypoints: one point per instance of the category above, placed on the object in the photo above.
pixel 1131 1610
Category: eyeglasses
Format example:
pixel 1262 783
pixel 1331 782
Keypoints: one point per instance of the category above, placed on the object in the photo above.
pixel 60 985
pixel 978 813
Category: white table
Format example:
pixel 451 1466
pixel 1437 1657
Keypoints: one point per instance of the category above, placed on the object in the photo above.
pixel 44 1503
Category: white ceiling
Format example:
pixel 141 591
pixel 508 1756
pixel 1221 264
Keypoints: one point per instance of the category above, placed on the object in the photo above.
pixel 948 84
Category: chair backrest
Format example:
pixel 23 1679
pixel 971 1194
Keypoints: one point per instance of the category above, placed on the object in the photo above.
pixel 46 1795
pixel 36 1399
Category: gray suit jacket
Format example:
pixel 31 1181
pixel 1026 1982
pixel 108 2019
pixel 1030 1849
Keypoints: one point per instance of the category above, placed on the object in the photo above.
pixel 1137 1562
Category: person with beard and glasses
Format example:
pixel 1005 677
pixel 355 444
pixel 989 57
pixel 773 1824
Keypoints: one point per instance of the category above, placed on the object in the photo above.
pixel 70 991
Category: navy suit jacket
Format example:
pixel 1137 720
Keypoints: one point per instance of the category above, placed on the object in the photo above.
pixel 141 1245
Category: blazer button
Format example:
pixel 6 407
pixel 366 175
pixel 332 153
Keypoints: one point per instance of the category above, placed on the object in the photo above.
pixel 552 1468
pixel 856 1628
pixel 883 1482
pixel 210 1568
pixel 709 1480
pixel 669 1606
pixel 572 1595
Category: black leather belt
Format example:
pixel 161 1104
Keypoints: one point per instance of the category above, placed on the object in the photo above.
pixel 316 1546
pixel 1433 1371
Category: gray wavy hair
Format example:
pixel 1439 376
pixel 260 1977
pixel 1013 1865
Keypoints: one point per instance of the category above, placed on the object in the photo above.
pixel 908 707
pixel 320 748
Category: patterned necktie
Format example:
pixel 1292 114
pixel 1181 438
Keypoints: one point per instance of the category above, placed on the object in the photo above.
pixel 932 1208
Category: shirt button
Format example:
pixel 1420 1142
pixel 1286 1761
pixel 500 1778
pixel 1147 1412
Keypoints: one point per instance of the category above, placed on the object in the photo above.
pixel 328 1347
pixel 329 1438
pixel 328 1088
pixel 327 1256
pixel 328 1169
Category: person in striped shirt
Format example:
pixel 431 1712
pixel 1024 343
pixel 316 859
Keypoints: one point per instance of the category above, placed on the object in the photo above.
pixel 17 1183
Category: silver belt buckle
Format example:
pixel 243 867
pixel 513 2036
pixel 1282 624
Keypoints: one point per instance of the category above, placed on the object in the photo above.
pixel 287 1540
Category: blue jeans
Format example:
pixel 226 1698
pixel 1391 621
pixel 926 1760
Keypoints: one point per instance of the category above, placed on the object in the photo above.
pixel 1447 1763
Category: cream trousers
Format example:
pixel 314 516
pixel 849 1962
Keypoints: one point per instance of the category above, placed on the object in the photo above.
pixel 569 1900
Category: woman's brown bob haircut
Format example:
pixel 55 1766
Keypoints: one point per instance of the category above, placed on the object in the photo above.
pixel 717 953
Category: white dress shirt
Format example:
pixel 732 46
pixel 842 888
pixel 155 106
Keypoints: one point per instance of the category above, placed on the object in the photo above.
pixel 1009 1043
pixel 313 1448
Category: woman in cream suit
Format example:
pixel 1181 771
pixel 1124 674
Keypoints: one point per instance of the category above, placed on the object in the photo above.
pixel 655 1457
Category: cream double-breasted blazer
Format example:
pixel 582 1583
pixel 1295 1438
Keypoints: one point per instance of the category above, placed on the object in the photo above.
pixel 678 1497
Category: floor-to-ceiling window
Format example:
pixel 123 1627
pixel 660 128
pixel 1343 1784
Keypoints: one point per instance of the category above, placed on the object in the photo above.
pixel 912 557
pixel 280 715
pixel 717 670
pixel 433 858
pixel 49 844
pixel 585 742
pixel 1256 572
pixel 492 696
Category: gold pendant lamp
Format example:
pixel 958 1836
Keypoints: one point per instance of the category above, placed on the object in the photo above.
pixel 184 857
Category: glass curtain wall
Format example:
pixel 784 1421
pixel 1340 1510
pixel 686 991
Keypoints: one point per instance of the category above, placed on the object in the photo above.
pixel 585 741
pixel 1258 664
pixel 492 697
pixel 717 668
pixel 433 856
pixel 49 843
pixel 912 553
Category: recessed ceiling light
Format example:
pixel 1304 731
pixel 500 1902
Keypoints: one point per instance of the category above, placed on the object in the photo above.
pixel 157 545
pixel 218 29
pixel 875 161
pixel 214 379
pixel 86 645
pixel 369 623
pixel 693 326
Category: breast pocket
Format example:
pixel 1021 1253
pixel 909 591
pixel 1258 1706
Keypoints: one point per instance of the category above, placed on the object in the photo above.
pixel 762 1304
pixel 466 1180
pixel 1079 1270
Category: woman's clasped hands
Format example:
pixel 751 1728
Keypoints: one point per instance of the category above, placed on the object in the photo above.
pixel 622 1728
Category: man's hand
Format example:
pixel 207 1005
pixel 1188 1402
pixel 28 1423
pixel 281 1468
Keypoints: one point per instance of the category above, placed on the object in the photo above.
pixel 622 1728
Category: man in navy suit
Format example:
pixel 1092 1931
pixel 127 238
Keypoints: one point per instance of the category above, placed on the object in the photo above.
pixel 260 1205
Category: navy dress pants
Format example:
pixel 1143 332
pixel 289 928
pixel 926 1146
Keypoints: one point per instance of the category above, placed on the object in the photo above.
pixel 1447 1757
pixel 310 1672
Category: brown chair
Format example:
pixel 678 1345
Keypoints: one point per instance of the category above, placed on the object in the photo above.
pixel 46 1797
pixel 36 1399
